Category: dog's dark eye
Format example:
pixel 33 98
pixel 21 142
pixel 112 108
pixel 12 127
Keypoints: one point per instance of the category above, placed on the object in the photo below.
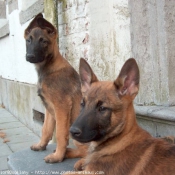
pixel 45 42
pixel 28 41
pixel 102 108
pixel 82 103
pixel 41 39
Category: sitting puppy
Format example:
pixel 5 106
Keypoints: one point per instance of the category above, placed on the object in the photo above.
pixel 58 86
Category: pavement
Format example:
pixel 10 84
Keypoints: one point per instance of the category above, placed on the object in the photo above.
pixel 14 136
pixel 28 162
pixel 17 158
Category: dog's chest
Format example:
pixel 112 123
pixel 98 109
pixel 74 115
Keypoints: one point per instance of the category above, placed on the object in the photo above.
pixel 41 94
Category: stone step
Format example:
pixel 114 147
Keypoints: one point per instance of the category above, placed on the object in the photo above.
pixel 14 136
pixel 159 121
pixel 30 162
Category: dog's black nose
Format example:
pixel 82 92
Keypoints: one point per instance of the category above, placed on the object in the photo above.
pixel 30 56
pixel 76 132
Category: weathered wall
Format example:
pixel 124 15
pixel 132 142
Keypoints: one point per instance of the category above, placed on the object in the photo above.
pixel 50 11
pixel 18 78
pixel 13 64
pixel 21 100
pixel 108 32
pixel 152 41
pixel 98 31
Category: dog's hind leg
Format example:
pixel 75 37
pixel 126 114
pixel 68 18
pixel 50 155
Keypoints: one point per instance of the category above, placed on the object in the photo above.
pixel 47 132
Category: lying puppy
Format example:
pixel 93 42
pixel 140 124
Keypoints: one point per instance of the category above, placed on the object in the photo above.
pixel 118 146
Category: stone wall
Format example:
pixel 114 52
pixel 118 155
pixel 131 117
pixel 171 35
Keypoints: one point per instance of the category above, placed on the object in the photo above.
pixel 22 101
pixel 98 31
pixel 152 41
pixel 108 32
pixel 18 78
pixel 4 26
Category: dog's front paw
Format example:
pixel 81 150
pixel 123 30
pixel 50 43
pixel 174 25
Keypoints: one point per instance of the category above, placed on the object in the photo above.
pixel 79 165
pixel 53 158
pixel 38 147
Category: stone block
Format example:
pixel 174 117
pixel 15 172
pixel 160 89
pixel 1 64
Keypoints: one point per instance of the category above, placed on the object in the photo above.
pixel 159 121
pixel 4 93
pixel 26 4
pixel 2 9
pixel 147 125
pixel 32 11
pixel 4 28
pixel 12 5
pixel 165 129
pixel 157 112
pixel 21 99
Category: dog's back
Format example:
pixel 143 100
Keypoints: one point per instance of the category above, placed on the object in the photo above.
pixel 63 81
pixel 145 156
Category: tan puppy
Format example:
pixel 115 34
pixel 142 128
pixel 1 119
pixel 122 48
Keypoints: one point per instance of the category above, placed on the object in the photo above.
pixel 108 120
pixel 58 85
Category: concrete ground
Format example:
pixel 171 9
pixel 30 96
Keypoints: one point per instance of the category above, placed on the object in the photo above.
pixel 14 136
pixel 15 142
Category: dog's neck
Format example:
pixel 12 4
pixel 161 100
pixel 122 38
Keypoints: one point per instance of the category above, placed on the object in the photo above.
pixel 131 134
pixel 127 136
pixel 50 65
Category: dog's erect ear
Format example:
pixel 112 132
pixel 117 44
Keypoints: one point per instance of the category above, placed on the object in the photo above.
pixel 127 82
pixel 44 24
pixel 33 24
pixel 87 76
pixel 39 21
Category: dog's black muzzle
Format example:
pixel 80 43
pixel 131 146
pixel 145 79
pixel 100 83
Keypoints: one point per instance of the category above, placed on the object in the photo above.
pixel 33 59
